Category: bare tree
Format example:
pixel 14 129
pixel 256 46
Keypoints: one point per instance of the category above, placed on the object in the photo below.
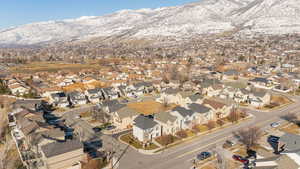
pixel 211 124
pixel 250 136
pixel 220 122
pixel 233 116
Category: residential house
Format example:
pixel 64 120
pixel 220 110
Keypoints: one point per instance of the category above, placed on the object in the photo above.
pixel 168 122
pixel 77 98
pixel 202 113
pixel 259 98
pixel 123 118
pixel 170 95
pixel 145 128
pixel 62 155
pixel 94 95
pixel 230 74
pixel 260 82
pixel 111 106
pixel 185 117
pixel 110 93
pixel 220 109
pixel 18 89
pixel 59 99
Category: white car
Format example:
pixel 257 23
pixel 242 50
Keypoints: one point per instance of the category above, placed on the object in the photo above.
pixel 275 124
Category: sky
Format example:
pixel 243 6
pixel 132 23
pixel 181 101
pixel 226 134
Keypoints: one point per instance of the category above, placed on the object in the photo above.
pixel 19 12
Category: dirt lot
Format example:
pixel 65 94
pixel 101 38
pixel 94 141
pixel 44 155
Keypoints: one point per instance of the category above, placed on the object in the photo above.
pixel 149 107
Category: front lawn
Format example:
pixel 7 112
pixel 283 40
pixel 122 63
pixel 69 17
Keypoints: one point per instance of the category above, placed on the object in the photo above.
pixel 129 139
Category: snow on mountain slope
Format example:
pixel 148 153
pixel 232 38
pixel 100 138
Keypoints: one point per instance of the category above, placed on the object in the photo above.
pixel 270 16
pixel 206 16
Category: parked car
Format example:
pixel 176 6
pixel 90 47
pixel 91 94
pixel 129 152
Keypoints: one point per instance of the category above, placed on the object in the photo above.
pixel 110 127
pixel 231 142
pixel 240 159
pixel 203 155
pixel 273 139
pixel 275 124
pixel 97 129
pixel 53 122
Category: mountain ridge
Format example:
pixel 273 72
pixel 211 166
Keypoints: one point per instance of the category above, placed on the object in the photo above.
pixel 202 17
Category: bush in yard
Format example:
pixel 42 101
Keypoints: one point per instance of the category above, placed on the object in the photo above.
pixel 196 129
pixel 165 140
pixel 211 124
pixel 220 122
pixel 243 114
pixel 181 134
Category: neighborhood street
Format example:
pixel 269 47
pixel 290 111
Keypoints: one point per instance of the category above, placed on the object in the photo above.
pixel 180 157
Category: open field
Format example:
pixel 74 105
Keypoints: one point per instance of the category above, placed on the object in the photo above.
pixel 53 67
pixel 149 107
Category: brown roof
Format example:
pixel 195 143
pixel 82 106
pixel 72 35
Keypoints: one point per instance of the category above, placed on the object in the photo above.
pixel 214 104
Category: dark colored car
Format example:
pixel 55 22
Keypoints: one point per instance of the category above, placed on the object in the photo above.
pixel 97 129
pixel 110 127
pixel 53 122
pixel 273 139
pixel 240 159
pixel 203 155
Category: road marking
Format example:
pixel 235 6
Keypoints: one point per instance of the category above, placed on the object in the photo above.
pixel 222 139
pixel 190 152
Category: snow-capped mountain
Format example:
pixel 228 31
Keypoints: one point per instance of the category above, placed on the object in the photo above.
pixel 203 17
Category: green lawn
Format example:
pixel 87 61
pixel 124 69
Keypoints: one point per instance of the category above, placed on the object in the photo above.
pixel 129 139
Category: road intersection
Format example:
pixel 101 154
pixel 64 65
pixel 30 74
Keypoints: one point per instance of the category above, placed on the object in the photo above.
pixel 180 157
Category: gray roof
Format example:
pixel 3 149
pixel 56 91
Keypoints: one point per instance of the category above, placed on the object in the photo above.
pixel 259 93
pixel 183 111
pixel 292 141
pixel 94 91
pixel 61 94
pixel 57 148
pixel 116 107
pixel 142 84
pixel 209 82
pixel 260 79
pixel 171 91
pixel 108 103
pixel 195 97
pixel 231 72
pixel 144 122
pixel 165 117
pixel 199 108
pixel 126 112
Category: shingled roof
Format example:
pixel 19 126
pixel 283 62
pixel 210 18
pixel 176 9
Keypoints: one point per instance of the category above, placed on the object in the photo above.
pixel 144 122
pixel 57 148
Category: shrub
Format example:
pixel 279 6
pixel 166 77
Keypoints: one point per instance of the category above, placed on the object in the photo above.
pixel 182 134
pixel 220 122
pixel 196 129
pixel 211 124
pixel 165 140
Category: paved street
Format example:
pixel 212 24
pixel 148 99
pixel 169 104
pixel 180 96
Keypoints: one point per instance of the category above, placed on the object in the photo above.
pixel 180 157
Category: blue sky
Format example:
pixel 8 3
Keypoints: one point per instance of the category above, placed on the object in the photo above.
pixel 18 12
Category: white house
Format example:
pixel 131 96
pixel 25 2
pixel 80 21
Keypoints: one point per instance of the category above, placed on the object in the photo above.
pixel 145 129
